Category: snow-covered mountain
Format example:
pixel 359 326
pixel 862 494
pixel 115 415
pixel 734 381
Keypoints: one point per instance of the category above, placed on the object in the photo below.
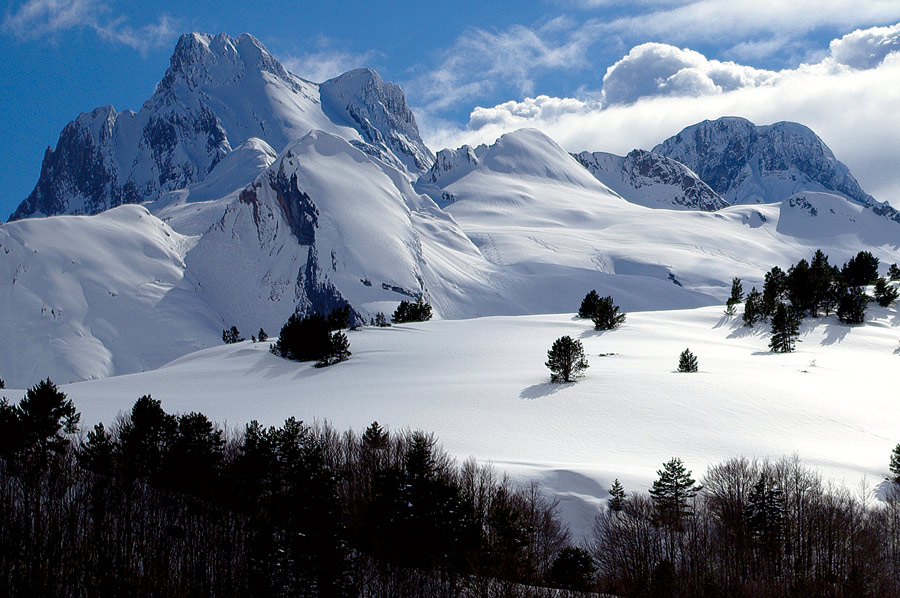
pixel 218 93
pixel 746 163
pixel 652 180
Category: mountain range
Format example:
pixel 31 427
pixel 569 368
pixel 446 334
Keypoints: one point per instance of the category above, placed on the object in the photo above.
pixel 259 194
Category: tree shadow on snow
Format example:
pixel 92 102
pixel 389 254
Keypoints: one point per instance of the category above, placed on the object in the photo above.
pixel 835 333
pixel 544 389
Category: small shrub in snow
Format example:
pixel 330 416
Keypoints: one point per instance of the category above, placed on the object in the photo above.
pixel 566 359
pixel 687 361
pixel 607 316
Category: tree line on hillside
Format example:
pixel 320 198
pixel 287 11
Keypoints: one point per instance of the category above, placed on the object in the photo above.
pixel 159 504
pixel 163 504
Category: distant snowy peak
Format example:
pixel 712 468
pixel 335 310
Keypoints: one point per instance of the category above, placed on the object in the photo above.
pixel 378 110
pixel 217 93
pixel 652 180
pixel 746 163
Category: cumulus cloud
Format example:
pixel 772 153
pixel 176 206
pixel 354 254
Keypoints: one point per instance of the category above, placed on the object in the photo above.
pixel 36 19
pixel 849 107
pixel 654 69
pixel 866 48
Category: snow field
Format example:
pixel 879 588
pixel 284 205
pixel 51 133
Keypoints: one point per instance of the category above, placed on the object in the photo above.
pixel 481 386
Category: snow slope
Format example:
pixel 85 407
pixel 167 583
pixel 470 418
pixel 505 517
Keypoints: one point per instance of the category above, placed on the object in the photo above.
pixel 481 386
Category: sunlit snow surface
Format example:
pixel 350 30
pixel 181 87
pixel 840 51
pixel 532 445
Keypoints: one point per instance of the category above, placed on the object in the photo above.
pixel 482 387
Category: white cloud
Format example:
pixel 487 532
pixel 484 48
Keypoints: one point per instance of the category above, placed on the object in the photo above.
pixel 326 63
pixel 659 69
pixel 866 48
pixel 707 20
pixel 36 19
pixel 480 60
pixel 850 109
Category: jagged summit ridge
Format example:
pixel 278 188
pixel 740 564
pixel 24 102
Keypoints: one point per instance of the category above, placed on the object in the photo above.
pixel 746 163
pixel 217 93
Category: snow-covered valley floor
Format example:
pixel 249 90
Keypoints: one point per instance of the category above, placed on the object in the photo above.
pixel 481 386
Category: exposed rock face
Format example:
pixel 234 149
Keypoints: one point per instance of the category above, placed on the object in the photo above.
pixel 745 163
pixel 378 110
pixel 218 93
pixel 652 180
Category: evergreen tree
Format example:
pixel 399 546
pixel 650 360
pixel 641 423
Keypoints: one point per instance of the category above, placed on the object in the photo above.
pixel 737 295
pixel 821 278
pixel 895 463
pixel 774 289
pixel 860 270
pixel 852 306
pixel 304 338
pixel 339 318
pixel 262 335
pixel 339 350
pixel 97 451
pixel 672 493
pixel 589 305
pixel 616 501
pixel 607 316
pixel 687 361
pixel 753 308
pixel 231 336
pixel 2 384
pixel 566 359
pixel 785 329
pixel 11 438
pixel 885 294
pixel 893 272
pixel 380 320
pixel 45 415
pixel 764 514
pixel 407 311
pixel 572 569
pixel 800 288
pixel 145 438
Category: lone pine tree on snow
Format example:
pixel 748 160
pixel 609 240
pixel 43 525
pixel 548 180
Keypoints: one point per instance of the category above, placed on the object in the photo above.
pixel 566 359
pixel 687 361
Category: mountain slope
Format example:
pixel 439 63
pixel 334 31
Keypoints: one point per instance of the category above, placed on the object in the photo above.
pixel 746 163
pixel 218 93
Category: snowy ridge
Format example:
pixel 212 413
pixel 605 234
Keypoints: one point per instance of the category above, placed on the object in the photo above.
pixel 652 180
pixel 218 93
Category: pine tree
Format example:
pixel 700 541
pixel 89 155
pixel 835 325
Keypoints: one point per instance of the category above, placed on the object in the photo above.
pixel 262 335
pixel 852 306
pixel 2 384
pixel 800 288
pixel 884 294
pixel 773 289
pixel 231 336
pixel 737 295
pixel 895 463
pixel 785 329
pixel 380 320
pixel 407 311
pixel 45 414
pixel 607 316
pixel 573 569
pixel 589 305
pixel 860 270
pixel 753 308
pixel 764 514
pixel 672 493
pixel 687 361
pixel 338 351
pixel 97 451
pixel 616 501
pixel 822 277
pixel 893 272
pixel 566 359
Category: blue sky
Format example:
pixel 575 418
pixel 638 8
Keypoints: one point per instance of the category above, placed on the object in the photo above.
pixel 472 70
